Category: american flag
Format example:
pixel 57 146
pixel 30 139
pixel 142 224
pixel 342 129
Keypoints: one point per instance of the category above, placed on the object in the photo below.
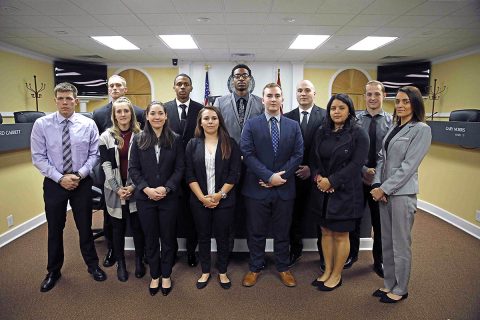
pixel 280 84
pixel 207 89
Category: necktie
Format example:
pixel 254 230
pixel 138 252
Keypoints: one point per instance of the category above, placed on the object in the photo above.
pixel 183 117
pixel 372 154
pixel 275 134
pixel 304 123
pixel 241 111
pixel 67 149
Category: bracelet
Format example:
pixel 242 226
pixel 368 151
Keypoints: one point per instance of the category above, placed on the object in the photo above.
pixel 223 194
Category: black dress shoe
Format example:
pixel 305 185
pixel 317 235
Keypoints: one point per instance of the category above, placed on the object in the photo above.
pixel 323 287
pixel 109 259
pixel 166 291
pixel 201 285
pixel 49 282
pixel 379 293
pixel 139 267
pixel 294 257
pixel 225 285
pixel 317 283
pixel 378 268
pixel 192 259
pixel 349 263
pixel 153 291
pixel 387 299
pixel 122 273
pixel 98 274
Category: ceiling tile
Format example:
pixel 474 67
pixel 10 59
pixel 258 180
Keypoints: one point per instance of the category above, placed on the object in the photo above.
pixel 190 6
pixel 392 7
pixel 452 22
pixel 215 18
pixel 158 19
pixel 103 7
pixel 22 32
pixel 38 21
pixel 241 18
pixel 344 6
pixel 15 7
pixel 97 31
pixel 258 6
pixel 412 21
pixel 150 6
pixel 133 31
pixel 56 7
pixel 436 8
pixel 356 31
pixel 119 20
pixel 371 20
pixel 79 21
pixel 297 6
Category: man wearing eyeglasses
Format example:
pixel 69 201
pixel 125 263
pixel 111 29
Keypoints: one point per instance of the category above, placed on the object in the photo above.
pixel 240 105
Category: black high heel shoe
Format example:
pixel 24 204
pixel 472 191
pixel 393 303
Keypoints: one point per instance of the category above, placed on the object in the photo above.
pixel 387 299
pixel 153 291
pixel 166 291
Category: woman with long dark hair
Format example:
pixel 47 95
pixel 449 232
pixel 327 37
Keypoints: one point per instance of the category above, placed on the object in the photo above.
pixel 396 187
pixel 339 152
pixel 156 168
pixel 115 144
pixel 212 170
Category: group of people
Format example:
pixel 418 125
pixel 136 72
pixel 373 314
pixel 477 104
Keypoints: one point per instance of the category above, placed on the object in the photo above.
pixel 239 157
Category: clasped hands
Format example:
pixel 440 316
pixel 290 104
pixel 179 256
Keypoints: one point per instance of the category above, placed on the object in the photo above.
pixel 378 195
pixel 275 181
pixel 211 201
pixel 125 192
pixel 323 184
pixel 155 194
pixel 70 181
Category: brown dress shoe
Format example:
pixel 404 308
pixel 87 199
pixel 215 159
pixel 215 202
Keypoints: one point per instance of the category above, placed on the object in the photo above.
pixel 250 279
pixel 288 279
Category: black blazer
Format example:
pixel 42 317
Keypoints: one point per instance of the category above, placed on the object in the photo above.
pixel 103 117
pixel 226 170
pixel 146 172
pixel 344 171
pixel 174 119
pixel 314 121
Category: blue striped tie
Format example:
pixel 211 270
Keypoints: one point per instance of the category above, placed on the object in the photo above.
pixel 275 134
pixel 67 149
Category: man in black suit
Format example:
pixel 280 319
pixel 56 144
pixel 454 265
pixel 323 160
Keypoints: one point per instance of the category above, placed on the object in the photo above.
pixel 117 87
pixel 182 115
pixel 310 117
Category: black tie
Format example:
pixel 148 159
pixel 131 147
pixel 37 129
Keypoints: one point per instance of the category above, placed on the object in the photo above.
pixel 241 111
pixel 304 123
pixel 372 154
pixel 183 117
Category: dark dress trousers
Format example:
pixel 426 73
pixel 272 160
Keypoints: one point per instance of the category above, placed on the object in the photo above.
pixel 303 187
pixel 185 222
pixel 158 218
pixel 265 205
pixel 220 218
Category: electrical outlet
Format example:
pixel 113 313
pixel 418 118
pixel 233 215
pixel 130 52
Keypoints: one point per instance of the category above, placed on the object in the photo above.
pixel 478 215
pixel 10 220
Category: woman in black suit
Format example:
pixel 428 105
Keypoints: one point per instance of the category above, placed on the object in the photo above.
pixel 156 167
pixel 339 152
pixel 212 169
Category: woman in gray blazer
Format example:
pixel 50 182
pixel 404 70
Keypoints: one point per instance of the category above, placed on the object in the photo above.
pixel 396 187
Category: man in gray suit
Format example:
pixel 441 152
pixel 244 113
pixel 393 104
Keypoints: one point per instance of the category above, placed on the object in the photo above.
pixel 309 117
pixel 239 106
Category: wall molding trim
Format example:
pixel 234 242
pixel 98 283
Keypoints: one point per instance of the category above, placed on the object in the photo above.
pixel 22 229
pixel 446 216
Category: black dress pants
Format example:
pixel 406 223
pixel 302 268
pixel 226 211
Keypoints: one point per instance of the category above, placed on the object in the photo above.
pixel 299 214
pixel 119 229
pixel 158 220
pixel 260 215
pixel 187 223
pixel 219 221
pixel 56 199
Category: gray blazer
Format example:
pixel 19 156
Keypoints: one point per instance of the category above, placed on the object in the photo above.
pixel 228 109
pixel 397 169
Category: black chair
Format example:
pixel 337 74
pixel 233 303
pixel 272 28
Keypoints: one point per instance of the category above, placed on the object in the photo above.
pixel 1 118
pixel 97 196
pixel 86 114
pixel 466 115
pixel 27 116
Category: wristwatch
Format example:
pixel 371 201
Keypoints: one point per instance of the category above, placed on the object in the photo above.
pixel 223 194
pixel 167 190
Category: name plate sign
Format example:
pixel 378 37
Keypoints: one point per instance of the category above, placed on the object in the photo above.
pixel 15 136
pixel 465 134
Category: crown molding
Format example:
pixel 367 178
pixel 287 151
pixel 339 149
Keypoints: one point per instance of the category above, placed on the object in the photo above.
pixel 456 55
pixel 25 53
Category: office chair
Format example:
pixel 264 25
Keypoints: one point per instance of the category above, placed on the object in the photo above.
pixel 97 196
pixel 1 118
pixel 211 99
pixel 27 116
pixel 466 115
pixel 86 114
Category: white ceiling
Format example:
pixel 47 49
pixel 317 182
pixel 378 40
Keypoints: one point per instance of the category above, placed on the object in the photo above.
pixel 62 28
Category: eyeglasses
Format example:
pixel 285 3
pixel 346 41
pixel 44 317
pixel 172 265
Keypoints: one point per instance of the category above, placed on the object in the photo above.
pixel 241 76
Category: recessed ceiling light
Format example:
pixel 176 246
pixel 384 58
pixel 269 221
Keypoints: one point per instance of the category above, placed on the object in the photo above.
pixel 9 9
pixel 179 41
pixel 372 43
pixel 308 41
pixel 116 42
pixel 61 32
pixel 203 19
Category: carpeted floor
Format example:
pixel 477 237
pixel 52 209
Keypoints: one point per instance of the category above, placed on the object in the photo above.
pixel 445 284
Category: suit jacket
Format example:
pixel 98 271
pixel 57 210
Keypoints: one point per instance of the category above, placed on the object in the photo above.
pixel 229 111
pixel 146 172
pixel 397 167
pixel 226 170
pixel 174 119
pixel 314 121
pixel 103 117
pixel 344 171
pixel 258 156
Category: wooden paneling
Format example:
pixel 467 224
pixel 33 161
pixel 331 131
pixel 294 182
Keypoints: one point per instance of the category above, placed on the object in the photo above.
pixel 138 87
pixel 351 82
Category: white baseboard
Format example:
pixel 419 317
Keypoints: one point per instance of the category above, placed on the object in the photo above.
pixel 22 229
pixel 454 220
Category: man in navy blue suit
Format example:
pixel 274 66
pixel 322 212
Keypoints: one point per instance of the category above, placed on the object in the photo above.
pixel 272 149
